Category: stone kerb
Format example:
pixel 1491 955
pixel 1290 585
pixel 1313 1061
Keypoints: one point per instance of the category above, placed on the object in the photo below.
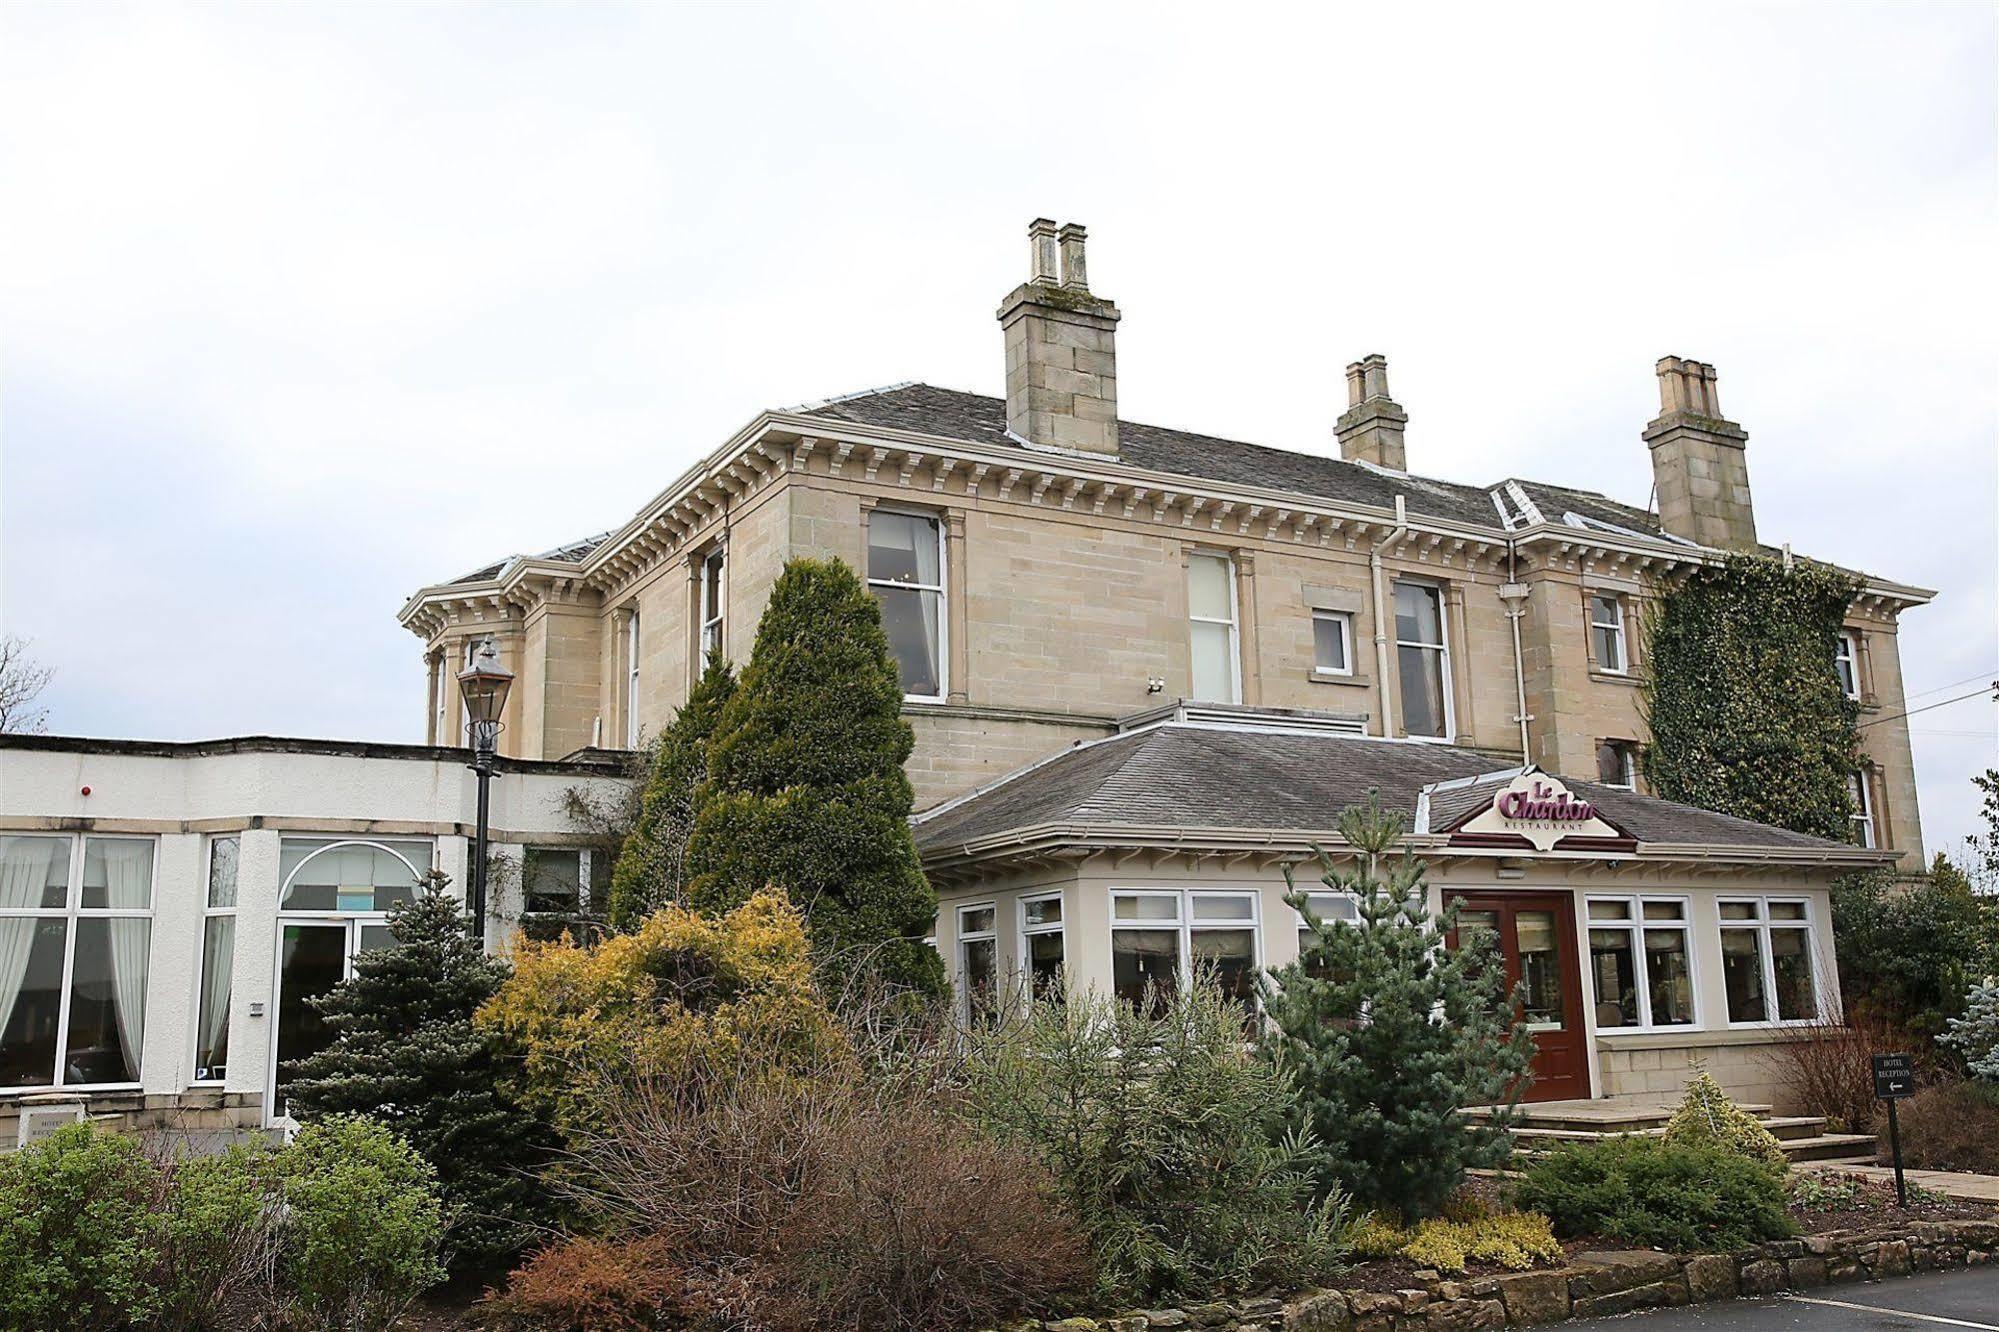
pixel 1592 1285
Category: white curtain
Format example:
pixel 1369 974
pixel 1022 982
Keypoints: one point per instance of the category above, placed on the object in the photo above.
pixel 24 868
pixel 128 882
pixel 217 970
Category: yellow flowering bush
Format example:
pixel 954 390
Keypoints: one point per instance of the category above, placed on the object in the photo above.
pixel 1707 1118
pixel 685 995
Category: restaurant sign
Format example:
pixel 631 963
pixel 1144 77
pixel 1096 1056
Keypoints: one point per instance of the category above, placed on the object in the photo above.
pixel 1541 810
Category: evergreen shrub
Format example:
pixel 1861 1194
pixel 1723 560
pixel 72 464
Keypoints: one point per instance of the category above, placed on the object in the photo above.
pixel 1707 1118
pixel 1387 1036
pixel 806 789
pixel 404 1051
pixel 652 858
pixel 1645 1191
pixel 1165 1138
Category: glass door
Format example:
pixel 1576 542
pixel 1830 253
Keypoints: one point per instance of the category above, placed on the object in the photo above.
pixel 312 959
pixel 1536 934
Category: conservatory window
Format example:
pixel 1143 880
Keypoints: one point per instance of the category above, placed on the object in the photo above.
pixel 978 963
pixel 218 961
pixel 1043 944
pixel 75 942
pixel 1766 960
pixel 1640 962
pixel 906 574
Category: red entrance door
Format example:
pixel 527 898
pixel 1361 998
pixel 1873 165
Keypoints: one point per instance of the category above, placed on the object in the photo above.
pixel 1537 937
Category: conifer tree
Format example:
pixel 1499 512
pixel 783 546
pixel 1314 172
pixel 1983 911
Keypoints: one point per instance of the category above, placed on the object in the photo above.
pixel 806 790
pixel 1387 1034
pixel 404 1052
pixel 650 872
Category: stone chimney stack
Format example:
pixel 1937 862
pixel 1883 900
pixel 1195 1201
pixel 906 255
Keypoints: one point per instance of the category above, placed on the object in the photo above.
pixel 1699 467
pixel 1061 348
pixel 1370 429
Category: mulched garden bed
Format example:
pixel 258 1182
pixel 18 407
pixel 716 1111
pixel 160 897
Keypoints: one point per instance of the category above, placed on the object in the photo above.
pixel 1853 1201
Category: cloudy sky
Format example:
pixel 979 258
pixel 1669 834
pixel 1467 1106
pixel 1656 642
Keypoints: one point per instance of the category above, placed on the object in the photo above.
pixel 304 307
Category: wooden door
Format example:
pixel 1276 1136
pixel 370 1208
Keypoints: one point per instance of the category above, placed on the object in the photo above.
pixel 1537 939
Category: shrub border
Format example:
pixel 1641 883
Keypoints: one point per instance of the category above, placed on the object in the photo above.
pixel 1593 1285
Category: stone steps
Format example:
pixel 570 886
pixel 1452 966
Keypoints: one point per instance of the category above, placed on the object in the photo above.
pixel 1803 1137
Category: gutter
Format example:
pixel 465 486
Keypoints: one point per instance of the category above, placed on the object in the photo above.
pixel 1374 555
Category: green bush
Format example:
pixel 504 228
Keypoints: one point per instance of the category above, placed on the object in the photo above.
pixel 806 790
pixel 80 1233
pixel 1707 1118
pixel 1908 953
pixel 1387 1035
pixel 1975 1034
pixel 218 1241
pixel 363 1226
pixel 1645 1191
pixel 1164 1137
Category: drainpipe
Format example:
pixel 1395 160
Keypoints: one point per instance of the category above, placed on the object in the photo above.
pixel 1514 594
pixel 1381 613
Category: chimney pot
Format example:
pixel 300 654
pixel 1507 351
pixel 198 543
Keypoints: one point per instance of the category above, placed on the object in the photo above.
pixel 1374 370
pixel 1356 389
pixel 1042 262
pixel 1075 274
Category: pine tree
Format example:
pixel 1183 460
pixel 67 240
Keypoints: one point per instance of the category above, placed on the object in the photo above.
pixel 650 872
pixel 404 1051
pixel 806 790
pixel 1387 1034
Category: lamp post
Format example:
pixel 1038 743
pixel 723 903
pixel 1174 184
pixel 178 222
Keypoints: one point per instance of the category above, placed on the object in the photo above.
pixel 483 685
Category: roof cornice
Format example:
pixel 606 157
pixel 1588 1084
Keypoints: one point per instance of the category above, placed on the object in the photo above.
pixel 776 442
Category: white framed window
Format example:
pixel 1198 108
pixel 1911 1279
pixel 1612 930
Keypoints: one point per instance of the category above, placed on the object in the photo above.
pixel 334 895
pixel 632 681
pixel 712 569
pixel 1617 764
pixel 1216 659
pixel 1846 663
pixel 1423 662
pixel 440 681
pixel 1860 784
pixel 1332 642
pixel 555 890
pixel 1044 944
pixel 218 962
pixel 1330 908
pixel 1641 962
pixel 1160 936
pixel 1606 633
pixel 906 574
pixel 76 923
pixel 978 963
pixel 1767 960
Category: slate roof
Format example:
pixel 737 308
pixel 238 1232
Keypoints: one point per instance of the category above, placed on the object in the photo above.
pixel 568 553
pixel 976 419
pixel 1207 776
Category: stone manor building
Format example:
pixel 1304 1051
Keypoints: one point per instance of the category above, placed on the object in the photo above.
pixel 1146 670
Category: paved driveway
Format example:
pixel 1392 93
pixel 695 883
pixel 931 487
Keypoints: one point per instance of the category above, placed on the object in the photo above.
pixel 1931 1302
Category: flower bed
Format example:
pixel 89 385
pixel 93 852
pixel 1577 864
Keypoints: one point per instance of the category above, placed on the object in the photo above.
pixel 1592 1284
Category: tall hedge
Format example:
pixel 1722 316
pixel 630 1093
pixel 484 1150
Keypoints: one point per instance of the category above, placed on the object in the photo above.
pixel 651 868
pixel 806 791
pixel 1746 714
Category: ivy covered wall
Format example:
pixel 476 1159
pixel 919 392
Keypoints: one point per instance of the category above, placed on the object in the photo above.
pixel 1746 714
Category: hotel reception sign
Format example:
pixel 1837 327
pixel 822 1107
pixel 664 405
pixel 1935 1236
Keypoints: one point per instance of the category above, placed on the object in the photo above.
pixel 1538 809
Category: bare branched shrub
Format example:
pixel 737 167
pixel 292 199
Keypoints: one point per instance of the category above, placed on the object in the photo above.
pixel 1952 1126
pixel 1824 1070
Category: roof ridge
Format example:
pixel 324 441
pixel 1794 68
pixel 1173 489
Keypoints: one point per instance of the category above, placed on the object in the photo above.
pixel 1146 735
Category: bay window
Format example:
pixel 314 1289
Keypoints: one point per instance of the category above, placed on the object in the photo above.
pixel 1766 960
pixel 1423 661
pixel 218 962
pixel 1211 629
pixel 1160 938
pixel 906 574
pixel 1640 952
pixel 75 942
pixel 1043 945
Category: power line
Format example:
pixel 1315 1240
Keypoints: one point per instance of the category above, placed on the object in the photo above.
pixel 1990 689
pixel 1925 693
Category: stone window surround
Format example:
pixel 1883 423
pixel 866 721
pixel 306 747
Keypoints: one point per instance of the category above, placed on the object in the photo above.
pixel 700 613
pixel 1451 632
pixel 1242 587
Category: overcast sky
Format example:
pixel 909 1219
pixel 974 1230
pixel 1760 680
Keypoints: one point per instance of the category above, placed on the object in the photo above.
pixel 305 307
